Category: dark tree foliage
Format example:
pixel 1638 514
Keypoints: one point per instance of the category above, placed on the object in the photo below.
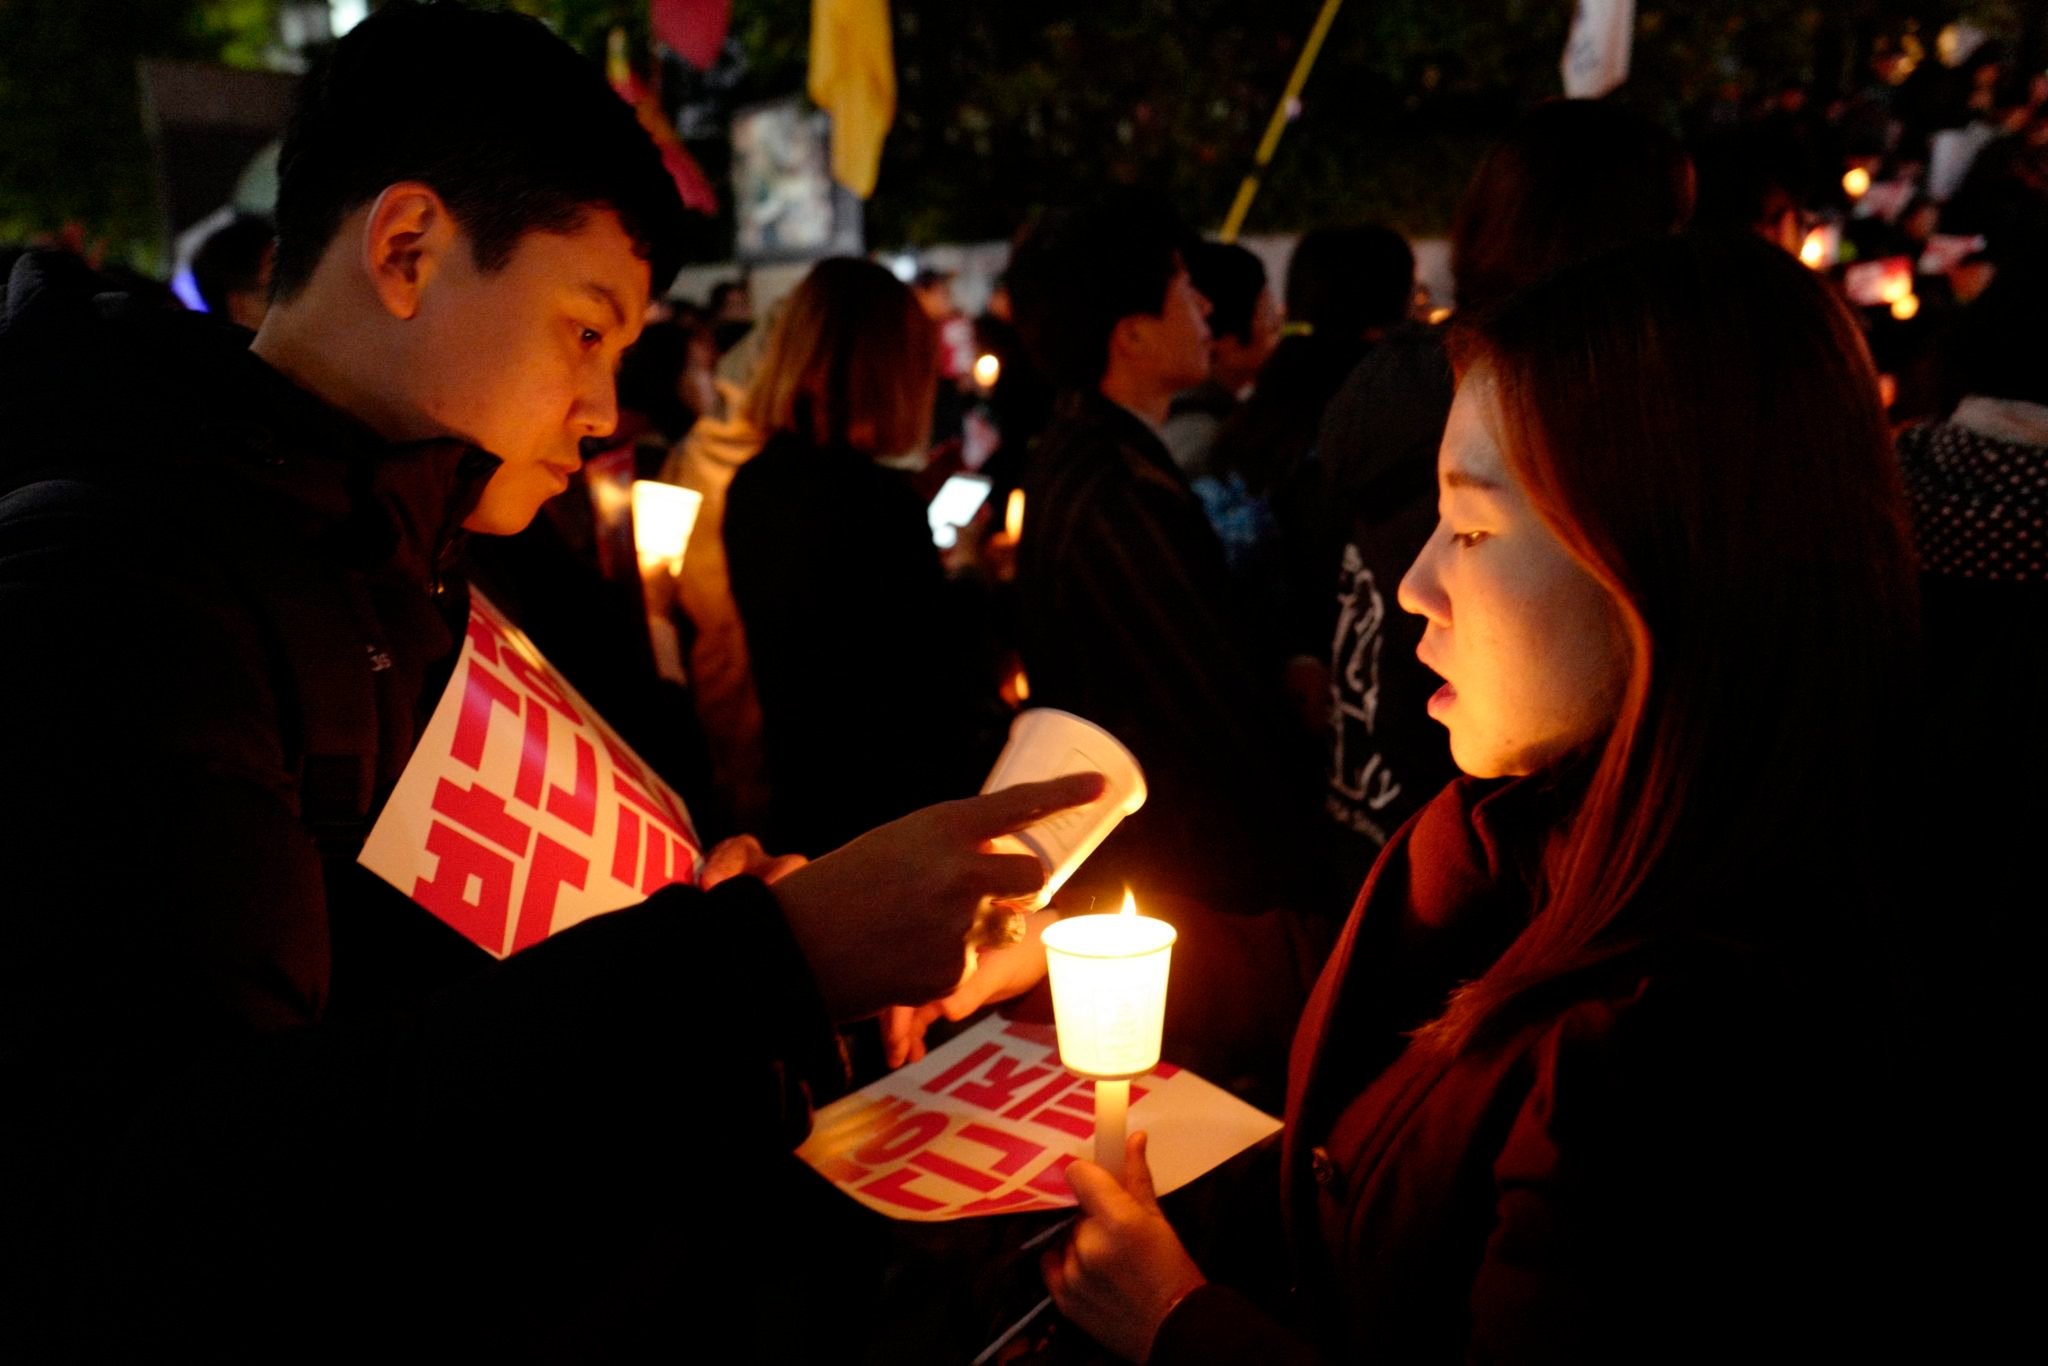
pixel 1005 107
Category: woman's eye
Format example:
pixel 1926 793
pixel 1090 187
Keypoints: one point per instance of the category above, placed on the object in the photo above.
pixel 1467 539
pixel 589 336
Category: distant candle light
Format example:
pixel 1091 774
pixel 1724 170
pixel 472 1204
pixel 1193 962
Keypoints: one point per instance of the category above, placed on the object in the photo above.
pixel 1814 250
pixel 1013 515
pixel 1856 182
pixel 663 515
pixel 1905 306
pixel 988 368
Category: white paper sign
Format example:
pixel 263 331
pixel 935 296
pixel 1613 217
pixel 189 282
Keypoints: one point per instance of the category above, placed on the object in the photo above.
pixel 521 812
pixel 1597 52
pixel 988 1123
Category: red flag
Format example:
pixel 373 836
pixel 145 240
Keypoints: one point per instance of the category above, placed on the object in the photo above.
pixel 693 29
pixel 690 179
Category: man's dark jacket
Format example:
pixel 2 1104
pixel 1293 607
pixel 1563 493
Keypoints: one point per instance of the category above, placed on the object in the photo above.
pixel 250 1089
pixel 1129 618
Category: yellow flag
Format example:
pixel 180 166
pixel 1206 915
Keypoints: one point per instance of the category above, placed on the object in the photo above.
pixel 853 78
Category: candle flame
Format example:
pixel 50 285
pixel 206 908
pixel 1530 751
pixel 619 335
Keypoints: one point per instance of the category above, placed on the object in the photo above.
pixel 1905 306
pixel 1856 182
pixel 1130 903
pixel 1437 315
pixel 1013 515
pixel 988 368
pixel 1814 250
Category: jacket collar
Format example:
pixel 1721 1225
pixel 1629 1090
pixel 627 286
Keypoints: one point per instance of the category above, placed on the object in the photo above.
pixel 377 502
pixel 1145 455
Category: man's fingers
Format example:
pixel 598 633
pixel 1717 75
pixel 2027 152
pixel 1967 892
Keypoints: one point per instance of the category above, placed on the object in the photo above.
pixel 1138 1172
pixel 898 1032
pixel 1006 877
pixel 729 858
pixel 1013 808
pixel 779 868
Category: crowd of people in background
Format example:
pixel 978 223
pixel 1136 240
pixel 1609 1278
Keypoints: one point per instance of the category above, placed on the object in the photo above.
pixel 1762 409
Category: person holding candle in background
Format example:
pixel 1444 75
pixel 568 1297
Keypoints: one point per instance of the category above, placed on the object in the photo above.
pixel 1599 1069
pixel 863 652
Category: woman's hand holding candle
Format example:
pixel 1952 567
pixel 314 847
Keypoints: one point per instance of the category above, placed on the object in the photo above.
pixel 885 918
pixel 1122 1269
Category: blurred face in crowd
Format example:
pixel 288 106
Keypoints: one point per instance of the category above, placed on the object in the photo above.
pixel 530 358
pixel 1170 349
pixel 1236 362
pixel 1528 642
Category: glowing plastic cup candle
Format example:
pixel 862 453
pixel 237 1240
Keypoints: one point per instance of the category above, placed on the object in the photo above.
pixel 1109 1007
pixel 663 516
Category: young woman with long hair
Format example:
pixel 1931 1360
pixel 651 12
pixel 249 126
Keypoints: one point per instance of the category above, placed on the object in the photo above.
pixel 871 706
pixel 1588 1077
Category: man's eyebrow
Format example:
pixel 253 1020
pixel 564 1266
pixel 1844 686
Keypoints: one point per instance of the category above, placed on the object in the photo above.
pixel 610 300
pixel 1465 479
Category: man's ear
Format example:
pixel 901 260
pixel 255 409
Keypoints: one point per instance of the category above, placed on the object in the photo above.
pixel 1130 339
pixel 406 242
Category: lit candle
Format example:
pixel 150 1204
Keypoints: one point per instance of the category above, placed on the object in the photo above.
pixel 1013 515
pixel 1109 1008
pixel 988 368
pixel 1856 182
pixel 663 515
pixel 1905 306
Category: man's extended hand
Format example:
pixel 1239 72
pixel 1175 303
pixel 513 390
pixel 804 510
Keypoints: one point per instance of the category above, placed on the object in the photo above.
pixel 1122 1269
pixel 997 975
pixel 885 918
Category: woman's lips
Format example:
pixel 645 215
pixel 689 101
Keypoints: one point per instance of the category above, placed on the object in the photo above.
pixel 1442 698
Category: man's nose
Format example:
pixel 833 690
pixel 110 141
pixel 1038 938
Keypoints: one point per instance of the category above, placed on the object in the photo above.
pixel 597 409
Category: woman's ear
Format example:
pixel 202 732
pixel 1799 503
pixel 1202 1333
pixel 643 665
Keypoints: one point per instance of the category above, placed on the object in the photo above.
pixel 406 242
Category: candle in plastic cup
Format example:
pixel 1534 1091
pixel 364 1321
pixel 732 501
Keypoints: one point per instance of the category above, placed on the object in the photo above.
pixel 1047 743
pixel 663 516
pixel 1109 976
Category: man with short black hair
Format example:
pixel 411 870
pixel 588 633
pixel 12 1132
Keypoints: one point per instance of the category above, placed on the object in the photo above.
pixel 1126 611
pixel 258 1100
pixel 1244 327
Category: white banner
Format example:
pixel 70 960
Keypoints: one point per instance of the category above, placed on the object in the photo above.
pixel 521 812
pixel 988 1123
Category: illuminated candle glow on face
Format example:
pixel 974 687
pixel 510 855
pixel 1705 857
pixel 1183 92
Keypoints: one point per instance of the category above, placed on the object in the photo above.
pixel 663 516
pixel 1109 976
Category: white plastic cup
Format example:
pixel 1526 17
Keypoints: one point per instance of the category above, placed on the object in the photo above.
pixel 1048 743
pixel 1109 976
